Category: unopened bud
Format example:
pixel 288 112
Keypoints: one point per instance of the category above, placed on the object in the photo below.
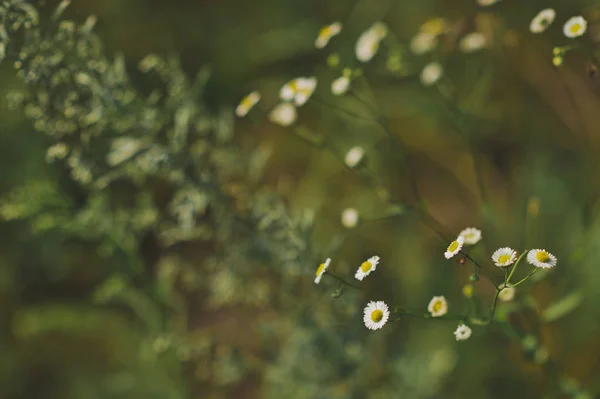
pixel 474 277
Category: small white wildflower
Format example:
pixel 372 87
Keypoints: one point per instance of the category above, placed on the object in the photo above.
pixel 575 27
pixel 423 42
pixel 437 306
pixel 376 314
pixel 486 3
pixel 340 85
pixel 472 42
pixel 504 257
pixel 326 33
pixel 541 258
pixel 471 235
pixel 454 247
pixel 283 114
pixel 542 20
pixel 321 270
pixel 462 332
pixel 368 42
pixel 431 73
pixel 367 267
pixel 350 218
pixel 507 294
pixel 354 156
pixel 298 90
pixel 247 103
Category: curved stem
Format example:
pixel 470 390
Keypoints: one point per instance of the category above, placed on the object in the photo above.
pixel 515 267
pixel 341 280
pixel 480 269
pixel 526 277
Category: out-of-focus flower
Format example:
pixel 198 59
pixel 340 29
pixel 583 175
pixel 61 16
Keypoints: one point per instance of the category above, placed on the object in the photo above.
pixel 423 42
pixel 298 90
pixel 321 270
pixel 471 235
pixel 575 27
pixel 123 148
pixel 542 20
pixel 354 156
pixel 367 267
pixel 486 3
pixel 326 33
pixel 340 85
pixel 454 247
pixel 350 218
pixel 376 314
pixel 437 306
pixel 368 42
pixel 283 114
pixel 431 73
pixel 507 294
pixel 462 332
pixel 541 258
pixel 472 42
pixel 503 257
pixel 247 104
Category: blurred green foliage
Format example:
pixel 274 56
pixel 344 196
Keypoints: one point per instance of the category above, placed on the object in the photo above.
pixel 155 246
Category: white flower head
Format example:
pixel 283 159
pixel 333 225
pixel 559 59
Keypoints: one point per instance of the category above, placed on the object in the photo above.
pixel 283 114
pixel 454 247
pixel 575 27
pixel 462 332
pixel 298 90
pixel 376 314
pixel 431 73
pixel 368 42
pixel 423 42
pixel 350 218
pixel 541 258
pixel 471 235
pixel 437 306
pixel 247 103
pixel 507 294
pixel 321 270
pixel 354 156
pixel 326 33
pixel 472 42
pixel 542 20
pixel 367 267
pixel 340 85
pixel 503 257
pixel 486 3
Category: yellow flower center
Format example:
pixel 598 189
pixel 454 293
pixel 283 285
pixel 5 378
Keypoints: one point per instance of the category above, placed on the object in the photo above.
pixel 366 266
pixel 248 102
pixel 575 28
pixel 320 269
pixel 542 256
pixel 453 246
pixel 376 315
pixel 504 259
pixel 325 32
pixel 438 306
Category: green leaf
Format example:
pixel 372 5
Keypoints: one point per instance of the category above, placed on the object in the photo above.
pixel 562 307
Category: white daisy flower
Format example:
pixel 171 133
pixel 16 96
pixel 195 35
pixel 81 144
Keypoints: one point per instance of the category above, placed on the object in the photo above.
pixel 431 73
pixel 507 294
pixel 462 332
pixel 486 3
pixel 283 114
pixel 376 314
pixel 423 42
pixel 541 258
pixel 354 156
pixel 575 27
pixel 367 267
pixel 437 306
pixel 326 33
pixel 247 103
pixel 340 85
pixel 542 20
pixel 368 42
pixel 504 257
pixel 321 270
pixel 298 90
pixel 454 247
pixel 350 218
pixel 472 42
pixel 471 235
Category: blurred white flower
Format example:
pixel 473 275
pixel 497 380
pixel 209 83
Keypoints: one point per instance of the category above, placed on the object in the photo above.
pixel 247 103
pixel 368 42
pixel 542 20
pixel 354 156
pixel 340 85
pixel 437 306
pixel 298 90
pixel 431 73
pixel 504 257
pixel 471 235
pixel 472 42
pixel 575 27
pixel 454 247
pixel 321 270
pixel 376 314
pixel 541 258
pixel 283 114
pixel 423 42
pixel 367 267
pixel 350 218
pixel 326 33
pixel 57 151
pixel 123 148
pixel 486 3
pixel 507 294
pixel 462 332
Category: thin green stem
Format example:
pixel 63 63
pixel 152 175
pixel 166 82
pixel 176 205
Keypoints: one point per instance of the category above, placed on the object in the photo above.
pixel 494 303
pixel 515 267
pixel 480 269
pixel 341 280
pixel 525 278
